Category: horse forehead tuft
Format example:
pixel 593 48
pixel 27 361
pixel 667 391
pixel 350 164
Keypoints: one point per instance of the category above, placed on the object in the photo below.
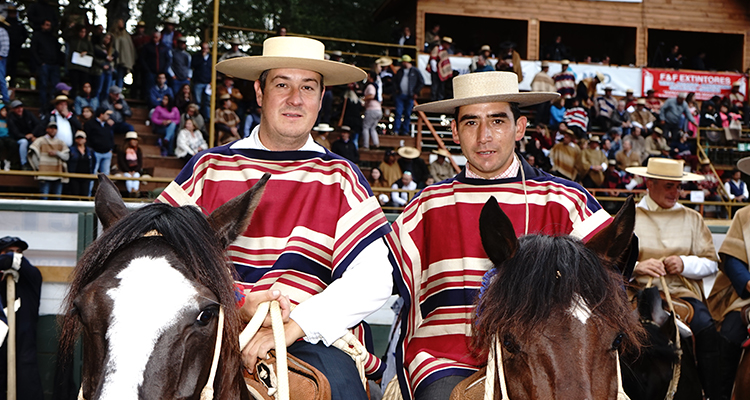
pixel 579 309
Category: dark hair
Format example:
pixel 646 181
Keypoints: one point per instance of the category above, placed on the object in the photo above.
pixel 381 179
pixel 170 102
pixel 264 75
pixel 514 109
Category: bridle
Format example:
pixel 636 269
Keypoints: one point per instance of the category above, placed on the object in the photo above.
pixel 677 365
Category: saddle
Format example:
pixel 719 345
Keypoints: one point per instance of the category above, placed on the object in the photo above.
pixel 471 388
pixel 682 308
pixel 745 315
pixel 305 382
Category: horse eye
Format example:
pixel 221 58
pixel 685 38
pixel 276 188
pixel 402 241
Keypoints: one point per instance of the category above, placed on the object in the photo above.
pixel 618 341
pixel 510 345
pixel 205 317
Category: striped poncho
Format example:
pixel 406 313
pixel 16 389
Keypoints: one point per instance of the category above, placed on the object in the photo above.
pixel 440 261
pixel 316 215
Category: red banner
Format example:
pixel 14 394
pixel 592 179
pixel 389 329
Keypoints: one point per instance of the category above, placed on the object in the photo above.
pixel 668 83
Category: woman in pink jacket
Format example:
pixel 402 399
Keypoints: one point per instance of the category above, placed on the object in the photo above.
pixel 165 119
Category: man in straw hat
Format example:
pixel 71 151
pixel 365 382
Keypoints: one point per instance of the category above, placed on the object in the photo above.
pixel 565 80
pixel 67 123
pixel 730 295
pixel 433 350
pixel 676 244
pixel 441 169
pixel 440 67
pixel 328 257
pixel 234 52
pixel 408 83
pixel 564 156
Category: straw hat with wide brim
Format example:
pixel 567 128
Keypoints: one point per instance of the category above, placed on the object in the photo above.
pixel 323 128
pixel 131 135
pixel 292 52
pixel 408 152
pixel 744 165
pixel 486 87
pixel 665 168
pixel 442 152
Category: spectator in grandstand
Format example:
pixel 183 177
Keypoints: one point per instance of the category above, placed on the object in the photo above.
pixel 736 187
pixel 252 119
pixel 542 82
pixel 431 39
pixel 116 103
pixel 642 117
pixel 386 73
pixel 653 103
pixel 104 64
pixel 4 49
pixel 710 184
pixel 181 71
pixel 639 142
pixel 406 39
pixel 440 68
pixel 190 141
pixel 605 107
pixel 201 64
pixel 576 117
pixel 621 119
pixel 169 36
pixel 234 52
pixel 320 135
pixel 565 81
pixel 656 144
pixel 49 154
pixel 22 126
pixel 165 119
pixel 353 109
pixel 79 69
pixel 593 164
pixel 155 59
pixel 564 157
pixel 441 169
pixel 690 128
pixel 67 124
pixel 557 112
pixel 46 55
pixel 159 90
pixel 235 96
pixel 87 113
pixel 227 121
pixel 373 111
pixel 682 150
pixel 509 60
pixel 85 98
pixel 193 112
pixel 671 114
pixel 674 58
pixel 390 168
pixel 627 156
pixel 345 146
pixel 586 90
pixel 8 147
pixel 481 62
pixel 101 139
pixel 130 162
pixel 738 102
pixel 406 182
pixel 630 100
pixel 81 161
pixel 183 98
pixel 140 39
pixel 126 55
pixel 17 35
pixel 410 159
pixel 556 51
pixel 615 143
pixel 376 180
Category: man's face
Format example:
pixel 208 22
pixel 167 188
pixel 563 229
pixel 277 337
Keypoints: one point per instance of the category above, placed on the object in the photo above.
pixel 161 79
pixel 228 82
pixel 487 134
pixel 156 38
pixel 204 48
pixel 407 31
pixel 663 192
pixel 626 145
pixel 61 106
pixel 18 110
pixel 680 100
pixel 46 26
pixel 11 249
pixel 406 178
pixel 104 117
pixel 289 102
pixel 169 27
pixel 52 131
pixel 87 88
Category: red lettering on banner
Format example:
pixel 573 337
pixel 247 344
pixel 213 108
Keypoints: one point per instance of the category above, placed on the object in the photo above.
pixel 704 84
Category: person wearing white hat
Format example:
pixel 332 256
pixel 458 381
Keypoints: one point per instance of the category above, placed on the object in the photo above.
pixel 433 354
pixel 565 80
pixel 234 51
pixel 317 237
pixel 642 117
pixel 441 169
pixel 408 83
pixel 542 82
pixel 605 106
pixel 168 34
pixel 675 243
pixel 440 67
pixel 320 135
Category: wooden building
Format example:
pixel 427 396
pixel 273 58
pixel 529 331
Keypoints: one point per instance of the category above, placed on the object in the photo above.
pixel 637 32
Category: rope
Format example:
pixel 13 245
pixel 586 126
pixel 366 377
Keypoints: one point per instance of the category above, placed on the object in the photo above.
pixel 208 391
pixel 350 345
pixel 495 361
pixel 620 391
pixel 677 369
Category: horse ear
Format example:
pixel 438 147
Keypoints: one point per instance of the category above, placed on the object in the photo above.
pixel 108 204
pixel 612 242
pixel 498 236
pixel 233 217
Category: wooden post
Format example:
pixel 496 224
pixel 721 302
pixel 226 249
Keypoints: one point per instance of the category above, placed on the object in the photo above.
pixel 11 303
pixel 419 131
pixel 532 40
pixel 214 54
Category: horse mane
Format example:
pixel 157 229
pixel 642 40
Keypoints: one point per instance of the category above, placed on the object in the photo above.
pixel 527 289
pixel 187 232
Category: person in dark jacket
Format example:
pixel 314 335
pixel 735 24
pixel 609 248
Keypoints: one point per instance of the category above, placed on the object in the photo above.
pixel 78 46
pixel 201 64
pixel 345 147
pixel 81 161
pixel 180 69
pixel 22 126
pixel 155 58
pixel 116 103
pixel 410 160
pixel 46 55
pixel 18 35
pixel 67 123
pixel 409 83
pixel 101 139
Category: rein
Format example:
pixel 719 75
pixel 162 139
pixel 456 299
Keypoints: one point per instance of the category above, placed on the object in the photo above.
pixel 677 367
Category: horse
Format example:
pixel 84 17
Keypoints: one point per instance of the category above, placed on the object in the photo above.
pixel 650 375
pixel 556 310
pixel 148 297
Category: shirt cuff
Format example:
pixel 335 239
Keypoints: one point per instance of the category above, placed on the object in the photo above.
pixel 698 267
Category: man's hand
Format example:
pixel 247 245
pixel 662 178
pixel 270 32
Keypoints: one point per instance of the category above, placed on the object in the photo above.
pixel 262 342
pixel 650 267
pixel 747 286
pixel 110 122
pixel 253 299
pixel 674 265
pixel 52 153
pixel 118 106
pixel 30 137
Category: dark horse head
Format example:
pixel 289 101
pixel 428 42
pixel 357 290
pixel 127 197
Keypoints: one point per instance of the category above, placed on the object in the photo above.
pixel 558 307
pixel 146 297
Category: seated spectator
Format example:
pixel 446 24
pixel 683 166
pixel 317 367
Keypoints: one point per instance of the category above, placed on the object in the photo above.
pixel 641 116
pixel 656 145
pixel 81 161
pixel 682 150
pixel 593 163
pixel 158 91
pixel 116 103
pixel 710 184
pixel 615 143
pixel 564 157
pixel 183 98
pixel 165 118
pixel 193 112
pixel 639 143
pixel 736 187
pixel 49 154
pixel 320 135
pixel 621 119
pixel 390 168
pixel 652 102
pixel 410 159
pixel 441 169
pixel 377 180
pixel 62 89
pixel 630 100
pixel 22 126
pixel 252 119
pixel 130 162
pixel 189 141
pixel 353 108
pixel 542 135
pixel 605 107
pixel 86 114
pixel 8 146
pixel 399 199
pixel 101 139
pixel 85 99
pixel 576 118
pixel 227 121
pixel 557 112
pixel 345 146
pixel 66 122
pixel 227 87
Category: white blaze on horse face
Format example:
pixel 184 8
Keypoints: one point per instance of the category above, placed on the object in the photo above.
pixel 150 297
pixel 579 309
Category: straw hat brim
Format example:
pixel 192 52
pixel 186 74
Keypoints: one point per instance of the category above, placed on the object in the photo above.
pixel 686 176
pixel 744 165
pixel 250 68
pixel 523 99
pixel 408 152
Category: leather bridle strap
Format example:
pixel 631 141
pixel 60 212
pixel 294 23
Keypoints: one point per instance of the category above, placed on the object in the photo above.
pixel 677 367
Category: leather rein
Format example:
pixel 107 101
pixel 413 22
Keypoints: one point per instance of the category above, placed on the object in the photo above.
pixel 677 366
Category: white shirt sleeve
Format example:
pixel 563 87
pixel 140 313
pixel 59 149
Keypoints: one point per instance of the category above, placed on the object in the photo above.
pixel 698 267
pixel 728 189
pixel 361 290
pixel 744 191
